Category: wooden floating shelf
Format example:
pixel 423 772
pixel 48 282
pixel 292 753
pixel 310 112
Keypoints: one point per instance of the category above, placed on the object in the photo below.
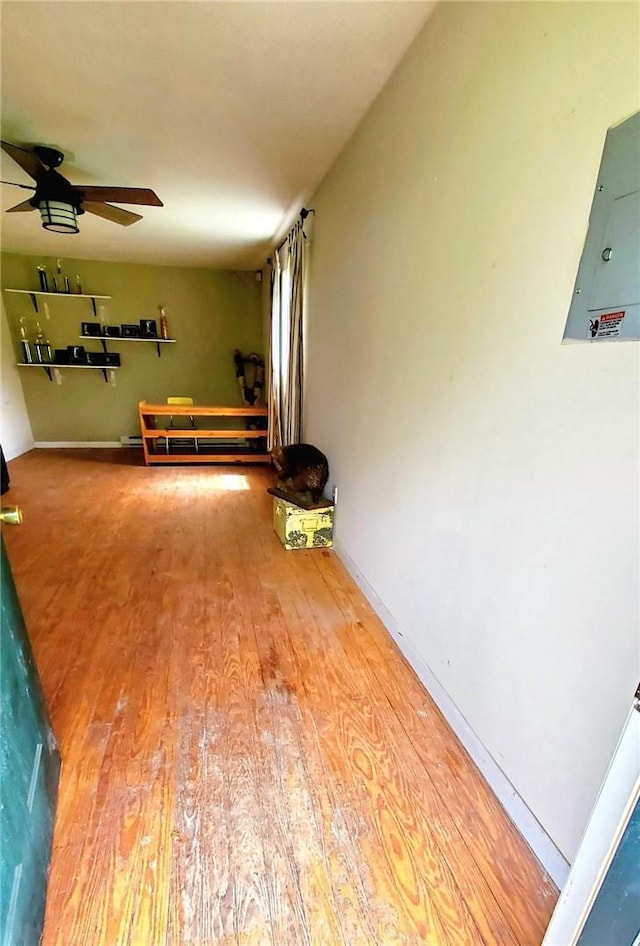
pixel 57 364
pixel 48 365
pixel 34 294
pixel 120 338
pixel 103 339
pixel 58 295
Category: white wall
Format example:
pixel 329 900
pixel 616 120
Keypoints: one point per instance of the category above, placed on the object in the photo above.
pixel 488 475
pixel 15 429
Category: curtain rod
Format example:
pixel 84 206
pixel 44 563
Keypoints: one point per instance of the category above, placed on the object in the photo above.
pixel 304 213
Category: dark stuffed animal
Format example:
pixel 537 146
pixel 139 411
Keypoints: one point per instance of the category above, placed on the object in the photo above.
pixel 302 470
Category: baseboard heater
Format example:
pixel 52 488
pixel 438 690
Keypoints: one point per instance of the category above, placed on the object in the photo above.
pixel 131 440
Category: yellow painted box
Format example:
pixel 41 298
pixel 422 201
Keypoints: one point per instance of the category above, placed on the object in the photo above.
pixel 299 528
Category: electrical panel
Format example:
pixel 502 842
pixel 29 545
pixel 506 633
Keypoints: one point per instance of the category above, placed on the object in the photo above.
pixel 606 296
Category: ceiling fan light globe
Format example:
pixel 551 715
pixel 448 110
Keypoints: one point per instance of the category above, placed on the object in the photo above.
pixel 58 216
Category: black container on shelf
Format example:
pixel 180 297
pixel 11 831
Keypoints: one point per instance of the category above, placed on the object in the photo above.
pixel 148 328
pixel 130 331
pixel 43 279
pixel 91 328
pixel 61 356
pixel 103 359
pixel 112 331
pixel 76 355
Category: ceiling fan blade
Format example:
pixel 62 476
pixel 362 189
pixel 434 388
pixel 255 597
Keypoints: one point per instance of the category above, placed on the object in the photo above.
pixel 25 205
pixel 27 160
pixel 115 214
pixel 119 195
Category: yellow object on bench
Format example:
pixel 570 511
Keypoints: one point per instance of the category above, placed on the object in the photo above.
pixel 182 402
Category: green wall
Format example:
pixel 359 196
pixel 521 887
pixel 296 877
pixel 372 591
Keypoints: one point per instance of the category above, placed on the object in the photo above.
pixel 210 312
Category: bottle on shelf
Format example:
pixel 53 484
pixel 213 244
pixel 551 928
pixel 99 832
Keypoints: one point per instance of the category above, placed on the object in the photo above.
pixel 43 279
pixel 43 348
pixel 24 344
pixel 58 279
pixel 164 325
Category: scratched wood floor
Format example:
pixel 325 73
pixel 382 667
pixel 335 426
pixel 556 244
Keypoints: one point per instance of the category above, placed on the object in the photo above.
pixel 247 757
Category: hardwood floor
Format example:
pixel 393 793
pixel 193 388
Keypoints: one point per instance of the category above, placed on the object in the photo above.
pixel 247 758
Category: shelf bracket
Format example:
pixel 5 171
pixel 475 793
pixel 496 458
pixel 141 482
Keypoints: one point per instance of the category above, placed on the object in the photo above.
pixel 104 375
pixel 48 371
pixel 159 350
pixel 94 307
pixel 104 344
pixel 34 301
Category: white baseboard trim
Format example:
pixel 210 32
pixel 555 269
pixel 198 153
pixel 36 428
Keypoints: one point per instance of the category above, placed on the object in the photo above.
pixel 552 860
pixel 12 453
pixel 64 444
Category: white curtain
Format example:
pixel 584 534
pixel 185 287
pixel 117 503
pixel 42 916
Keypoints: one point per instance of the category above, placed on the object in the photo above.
pixel 288 280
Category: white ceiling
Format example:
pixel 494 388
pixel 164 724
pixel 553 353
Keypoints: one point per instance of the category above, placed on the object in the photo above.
pixel 231 111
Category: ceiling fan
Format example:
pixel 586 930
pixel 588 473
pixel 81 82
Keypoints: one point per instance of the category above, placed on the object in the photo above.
pixel 60 202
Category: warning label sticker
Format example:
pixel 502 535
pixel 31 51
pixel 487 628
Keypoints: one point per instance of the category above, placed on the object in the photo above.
pixel 608 325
